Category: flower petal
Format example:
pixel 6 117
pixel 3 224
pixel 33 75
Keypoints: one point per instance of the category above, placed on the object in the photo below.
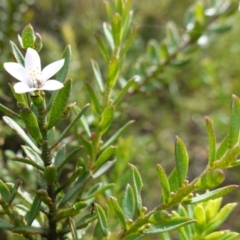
pixel 22 87
pixel 16 70
pixel 32 60
pixel 51 69
pixel 51 85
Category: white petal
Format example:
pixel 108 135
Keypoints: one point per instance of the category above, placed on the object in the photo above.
pixel 51 85
pixel 32 59
pixel 16 70
pixel 22 87
pixel 51 69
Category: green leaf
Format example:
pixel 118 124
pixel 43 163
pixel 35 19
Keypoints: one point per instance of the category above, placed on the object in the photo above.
pixel 60 156
pixel 28 37
pixel 211 141
pixel 31 215
pixel 199 215
pixel 212 195
pixel 62 74
pixel 129 42
pixel 29 230
pixel 73 229
pixel 83 120
pixel 228 158
pixel 153 50
pixel 59 104
pixel 164 183
pixel 102 219
pixel 21 98
pixel 104 156
pixel 128 202
pixel 28 161
pixel 104 168
pixel 134 236
pixel 113 72
pixel 8 111
pixel 119 212
pixel 31 123
pixel 164 53
pixel 4 191
pixel 137 186
pixel 223 147
pixel 117 29
pixel 21 133
pixel 124 91
pixel 210 179
pixel 169 225
pixel 33 155
pixel 173 37
pixel 75 188
pixel 220 217
pixel 119 4
pixel 102 47
pixel 64 213
pixel 75 120
pixel 69 157
pixel 181 160
pixel 106 119
pixel 5 225
pixel 94 99
pixel 173 180
pixel 116 135
pixel 38 42
pixel 108 35
pixel 98 75
pixel 234 122
pixel 17 53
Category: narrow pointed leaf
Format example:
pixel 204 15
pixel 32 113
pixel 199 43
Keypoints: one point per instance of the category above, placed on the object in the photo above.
pixel 137 186
pixel 106 119
pixel 234 122
pixel 29 162
pixel 164 183
pixel 124 91
pixel 5 225
pixel 105 155
pixel 75 120
pixel 75 188
pixel 181 160
pixel 21 98
pixel 29 230
pixel 31 215
pixel 73 229
pixel 128 202
pixel 102 47
pixel 117 28
pixel 113 72
pixel 102 219
pixel 228 158
pixel 169 225
pixel 33 155
pixel 8 111
pixel 21 133
pixel 116 135
pixel 104 168
pixel 129 42
pixel 108 35
pixel 119 213
pixel 211 141
pixel 98 75
pixel 94 99
pixel 173 180
pixel 17 53
pixel 223 147
pixel 212 195
pixel 4 191
pixel 59 104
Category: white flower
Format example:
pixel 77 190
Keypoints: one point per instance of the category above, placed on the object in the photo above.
pixel 31 77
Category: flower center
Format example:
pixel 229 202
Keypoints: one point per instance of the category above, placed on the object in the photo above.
pixel 35 78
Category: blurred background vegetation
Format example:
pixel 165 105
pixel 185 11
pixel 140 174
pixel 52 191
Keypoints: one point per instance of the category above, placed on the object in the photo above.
pixel 173 104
